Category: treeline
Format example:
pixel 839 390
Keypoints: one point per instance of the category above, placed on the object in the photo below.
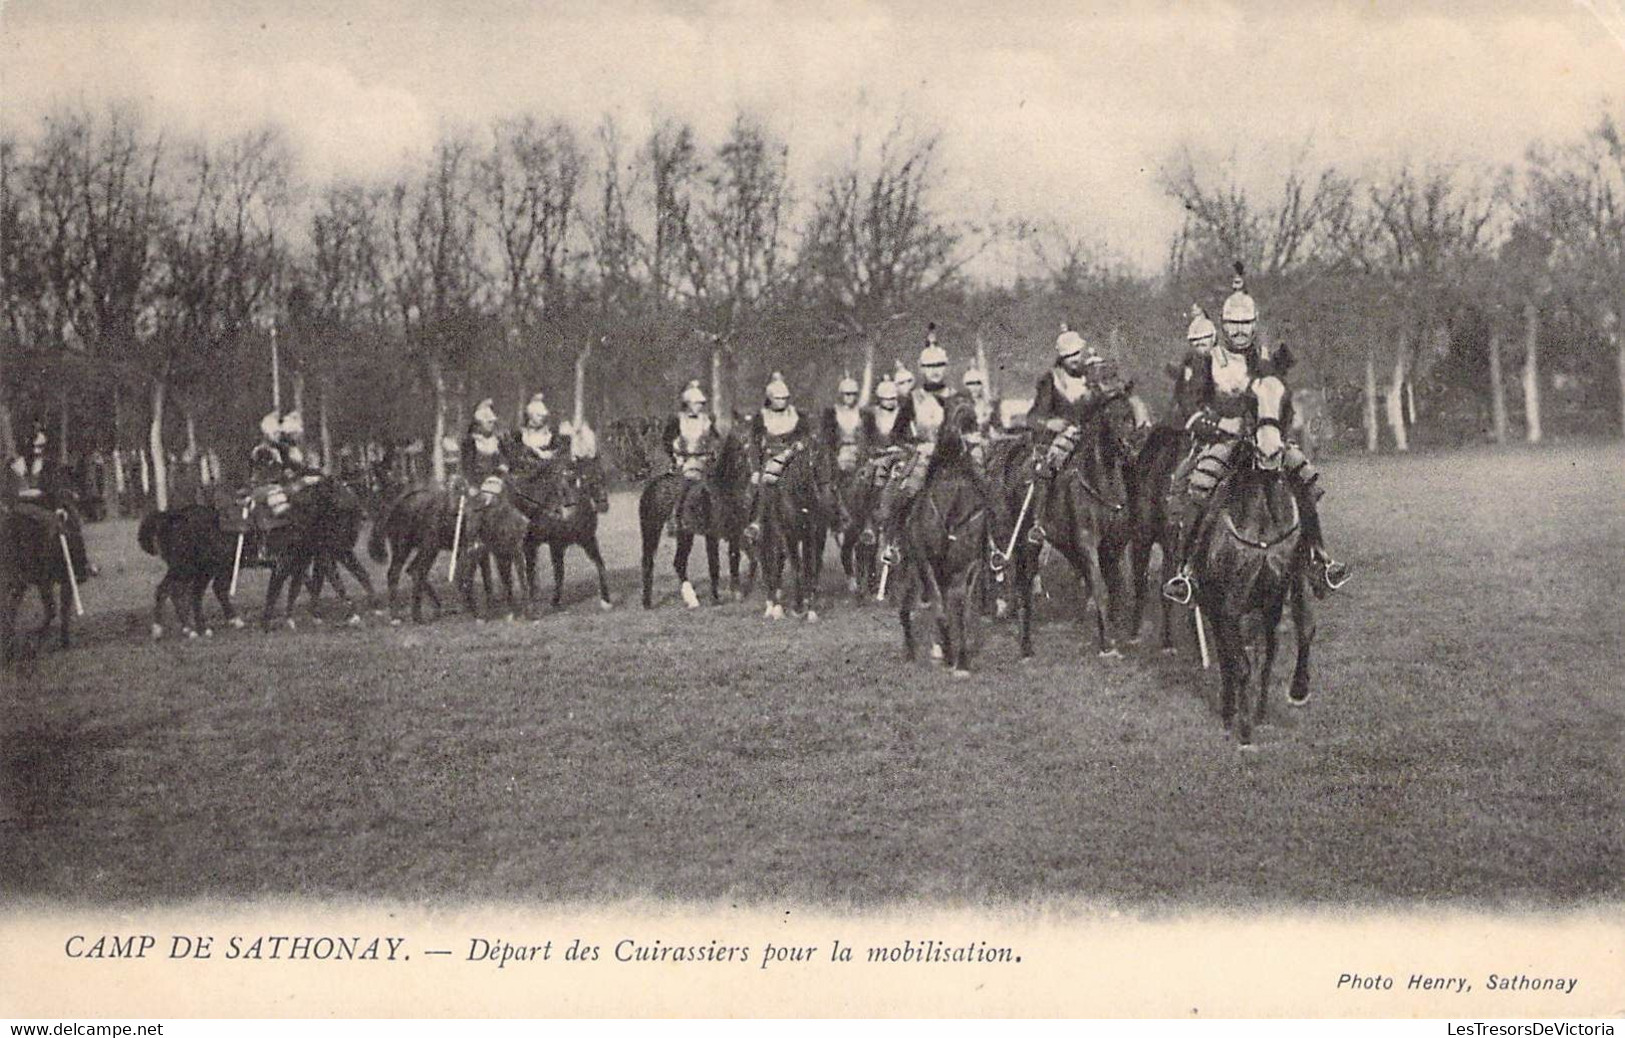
pixel 145 278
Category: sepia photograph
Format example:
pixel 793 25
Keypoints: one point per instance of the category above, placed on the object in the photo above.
pixel 599 510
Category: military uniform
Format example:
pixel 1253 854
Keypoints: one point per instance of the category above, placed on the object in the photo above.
pixel 538 442
pixel 777 433
pixel 693 443
pixel 1225 376
pixel 482 449
pixel 844 428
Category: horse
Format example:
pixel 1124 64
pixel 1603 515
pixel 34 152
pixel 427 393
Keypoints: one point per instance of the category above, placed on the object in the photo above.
pixel 325 525
pixel 1250 558
pixel 1151 482
pixel 494 529
pixel 563 501
pixel 795 514
pixel 855 498
pixel 32 539
pixel 409 535
pixel 716 508
pixel 1087 515
pixel 947 535
pixel 199 553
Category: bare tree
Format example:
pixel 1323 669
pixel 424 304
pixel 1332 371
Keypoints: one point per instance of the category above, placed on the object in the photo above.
pixel 875 243
pixel 1430 226
pixel 527 184
pixel 431 273
pixel 221 257
pixel 1576 197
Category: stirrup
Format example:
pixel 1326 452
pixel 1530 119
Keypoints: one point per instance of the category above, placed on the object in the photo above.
pixel 891 555
pixel 1037 535
pixel 997 561
pixel 1179 588
pixel 1333 574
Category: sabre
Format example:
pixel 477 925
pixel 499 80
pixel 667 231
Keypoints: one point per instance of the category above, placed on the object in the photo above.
pixel 73 578
pixel 1201 637
pixel 456 539
pixel 885 572
pixel 1026 502
pixel 237 559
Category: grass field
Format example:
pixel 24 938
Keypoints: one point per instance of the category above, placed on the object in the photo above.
pixel 1464 744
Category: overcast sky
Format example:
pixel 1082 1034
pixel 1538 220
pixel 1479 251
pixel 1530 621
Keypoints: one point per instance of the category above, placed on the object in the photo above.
pixel 1047 110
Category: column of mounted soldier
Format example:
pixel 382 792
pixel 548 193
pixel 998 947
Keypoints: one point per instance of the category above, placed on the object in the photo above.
pixel 870 463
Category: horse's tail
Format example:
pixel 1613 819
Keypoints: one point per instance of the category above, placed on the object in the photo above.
pixel 146 534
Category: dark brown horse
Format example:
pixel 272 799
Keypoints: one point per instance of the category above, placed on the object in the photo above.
pixel 494 533
pixel 410 534
pixel 716 508
pixel 1087 515
pixel 325 525
pixel 950 529
pixel 855 499
pixel 1150 485
pixel 563 501
pixel 1250 559
pixel 795 514
pixel 198 553
pixel 31 556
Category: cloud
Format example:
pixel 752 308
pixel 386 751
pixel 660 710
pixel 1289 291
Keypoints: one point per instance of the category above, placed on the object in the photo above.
pixel 1049 110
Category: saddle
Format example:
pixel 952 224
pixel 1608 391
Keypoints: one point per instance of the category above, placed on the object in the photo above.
pixel 263 507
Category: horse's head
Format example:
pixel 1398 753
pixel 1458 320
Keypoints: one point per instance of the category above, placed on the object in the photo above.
pixel 1118 423
pixel 1273 403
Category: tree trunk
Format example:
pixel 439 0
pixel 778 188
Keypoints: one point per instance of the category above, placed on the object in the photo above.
pixel 299 393
pixel 1531 369
pixel 1498 395
pixel 866 390
pixel 579 414
pixel 437 453
pixel 1394 400
pixel 146 474
pixel 62 429
pixel 191 437
pixel 1619 360
pixel 8 437
pixel 326 431
pixel 1371 434
pixel 155 444
pixel 987 372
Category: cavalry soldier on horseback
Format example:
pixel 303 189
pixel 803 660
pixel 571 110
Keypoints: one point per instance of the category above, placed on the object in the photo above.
pixel 844 427
pixel 1200 336
pixel 276 469
pixel 1225 392
pixel 904 380
pixel 988 428
pixel 35 488
pixel 482 448
pixel 921 416
pixel 880 425
pixel 693 442
pixel 777 434
pixel 1062 402
pixel 535 445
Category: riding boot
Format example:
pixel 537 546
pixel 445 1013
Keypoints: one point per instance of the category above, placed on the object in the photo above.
pixel 753 529
pixel 1181 587
pixel 994 502
pixel 1036 534
pixel 892 524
